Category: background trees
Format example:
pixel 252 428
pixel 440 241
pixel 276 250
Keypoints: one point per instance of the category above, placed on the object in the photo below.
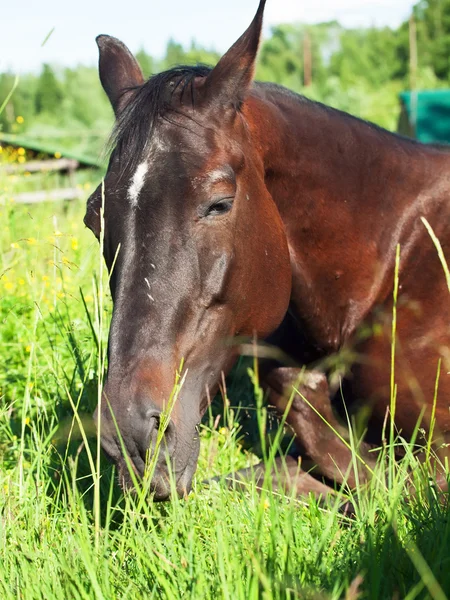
pixel 359 70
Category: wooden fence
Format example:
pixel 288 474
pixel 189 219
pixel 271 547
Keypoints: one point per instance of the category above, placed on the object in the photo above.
pixel 68 165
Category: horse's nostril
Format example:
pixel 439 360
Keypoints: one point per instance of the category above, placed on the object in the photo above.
pixel 169 436
pixel 110 448
pixel 155 434
pixel 164 434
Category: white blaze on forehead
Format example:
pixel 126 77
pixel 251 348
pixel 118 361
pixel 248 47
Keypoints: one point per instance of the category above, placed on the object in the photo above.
pixel 137 183
pixel 225 174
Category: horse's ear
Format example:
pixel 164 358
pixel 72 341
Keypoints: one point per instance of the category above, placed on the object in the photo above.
pixel 119 70
pixel 232 77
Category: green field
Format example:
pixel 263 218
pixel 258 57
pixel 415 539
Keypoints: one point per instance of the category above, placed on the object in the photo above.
pixel 66 531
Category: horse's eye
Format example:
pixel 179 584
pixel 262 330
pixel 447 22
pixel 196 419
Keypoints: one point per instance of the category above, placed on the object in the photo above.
pixel 219 208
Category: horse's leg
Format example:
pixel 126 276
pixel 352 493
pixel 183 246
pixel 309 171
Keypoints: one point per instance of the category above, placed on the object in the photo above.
pixel 286 476
pixel 313 423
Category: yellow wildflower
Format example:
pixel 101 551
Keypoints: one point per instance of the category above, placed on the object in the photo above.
pixel 21 151
pixel 20 119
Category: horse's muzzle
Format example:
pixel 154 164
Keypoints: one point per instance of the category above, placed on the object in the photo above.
pixel 146 447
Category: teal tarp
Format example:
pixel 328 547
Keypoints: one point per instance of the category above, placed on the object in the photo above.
pixel 425 115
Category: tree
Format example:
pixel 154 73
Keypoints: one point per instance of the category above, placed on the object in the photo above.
pixel 84 99
pixel 174 55
pixel 49 94
pixel 370 55
pixel 433 38
pixel 20 107
pixel 282 56
pixel 146 63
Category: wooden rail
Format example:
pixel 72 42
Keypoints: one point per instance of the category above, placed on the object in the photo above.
pixel 52 195
pixel 34 166
pixel 68 165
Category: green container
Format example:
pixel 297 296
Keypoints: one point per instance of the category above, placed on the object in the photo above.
pixel 425 115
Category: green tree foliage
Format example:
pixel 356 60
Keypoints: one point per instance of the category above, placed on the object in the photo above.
pixel 281 56
pixel 433 29
pixel 174 55
pixel 21 104
pixel 177 55
pixel 84 100
pixel 198 55
pixel 369 55
pixel 147 62
pixel 49 93
pixel 432 18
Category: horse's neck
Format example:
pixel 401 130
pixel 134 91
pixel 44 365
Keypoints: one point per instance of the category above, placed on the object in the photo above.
pixel 348 193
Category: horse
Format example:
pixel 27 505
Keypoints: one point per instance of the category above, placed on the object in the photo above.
pixel 238 209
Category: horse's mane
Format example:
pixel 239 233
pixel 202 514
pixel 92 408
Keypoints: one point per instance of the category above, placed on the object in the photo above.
pixel 153 101
pixel 149 103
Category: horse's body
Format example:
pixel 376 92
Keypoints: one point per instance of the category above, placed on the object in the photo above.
pixel 348 193
pixel 236 209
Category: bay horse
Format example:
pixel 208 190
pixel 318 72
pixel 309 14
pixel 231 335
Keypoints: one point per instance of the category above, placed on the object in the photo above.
pixel 239 209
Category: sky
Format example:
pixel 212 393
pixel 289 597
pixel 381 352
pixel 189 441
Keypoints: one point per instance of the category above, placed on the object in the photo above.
pixel 150 23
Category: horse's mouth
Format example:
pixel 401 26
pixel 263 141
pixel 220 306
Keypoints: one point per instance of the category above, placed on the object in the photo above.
pixel 164 483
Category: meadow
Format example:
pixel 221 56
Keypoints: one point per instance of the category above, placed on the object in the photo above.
pixel 66 529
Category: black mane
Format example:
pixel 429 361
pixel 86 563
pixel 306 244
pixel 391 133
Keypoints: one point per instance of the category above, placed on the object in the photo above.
pixel 153 100
pixel 150 102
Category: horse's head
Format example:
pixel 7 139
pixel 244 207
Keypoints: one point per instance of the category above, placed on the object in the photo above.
pixel 195 247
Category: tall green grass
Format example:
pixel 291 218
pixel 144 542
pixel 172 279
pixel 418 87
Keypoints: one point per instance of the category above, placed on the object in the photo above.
pixel 66 529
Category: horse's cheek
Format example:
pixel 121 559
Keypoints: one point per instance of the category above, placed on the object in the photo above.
pixel 268 279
